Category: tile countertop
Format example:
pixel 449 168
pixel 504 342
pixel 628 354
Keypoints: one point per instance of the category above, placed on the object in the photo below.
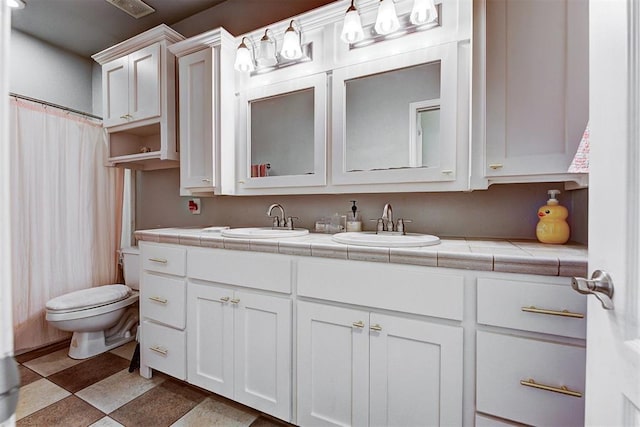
pixel 507 256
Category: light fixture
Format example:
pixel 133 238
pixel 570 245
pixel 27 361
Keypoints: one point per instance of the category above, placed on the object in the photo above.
pixel 423 12
pixel 291 48
pixel 352 29
pixel 15 4
pixel 267 51
pixel 244 57
pixel 387 19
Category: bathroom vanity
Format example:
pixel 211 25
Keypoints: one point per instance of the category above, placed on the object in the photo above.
pixel 316 332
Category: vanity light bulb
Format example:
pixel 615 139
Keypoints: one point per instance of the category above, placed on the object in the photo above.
pixel 352 29
pixel 266 53
pixel 387 19
pixel 244 61
pixel 291 48
pixel 423 12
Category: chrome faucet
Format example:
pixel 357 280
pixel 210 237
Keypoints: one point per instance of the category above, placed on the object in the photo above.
pixel 387 217
pixel 277 221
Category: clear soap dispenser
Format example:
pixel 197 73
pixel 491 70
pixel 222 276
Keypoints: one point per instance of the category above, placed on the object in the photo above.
pixel 354 222
pixel 552 225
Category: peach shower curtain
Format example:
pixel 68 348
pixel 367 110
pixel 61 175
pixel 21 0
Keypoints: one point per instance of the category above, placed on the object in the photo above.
pixel 66 208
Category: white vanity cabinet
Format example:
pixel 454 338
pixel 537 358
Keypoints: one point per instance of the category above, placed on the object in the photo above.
pixel 360 366
pixel 138 91
pixel 206 130
pixel 531 90
pixel 523 376
pixel 239 340
pixel 163 292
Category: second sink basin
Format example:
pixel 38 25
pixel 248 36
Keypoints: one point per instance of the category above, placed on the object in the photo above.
pixel 263 233
pixel 365 238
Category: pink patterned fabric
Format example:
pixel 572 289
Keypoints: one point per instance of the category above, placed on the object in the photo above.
pixel 580 163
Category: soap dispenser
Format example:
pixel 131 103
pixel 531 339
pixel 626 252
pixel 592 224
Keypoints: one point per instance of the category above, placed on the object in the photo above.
pixel 552 225
pixel 354 222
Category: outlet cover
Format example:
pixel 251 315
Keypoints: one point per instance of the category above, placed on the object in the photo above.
pixel 194 206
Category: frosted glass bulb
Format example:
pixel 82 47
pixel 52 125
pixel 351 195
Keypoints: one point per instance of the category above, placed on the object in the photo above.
pixel 244 61
pixel 352 29
pixel 387 19
pixel 267 53
pixel 291 45
pixel 423 12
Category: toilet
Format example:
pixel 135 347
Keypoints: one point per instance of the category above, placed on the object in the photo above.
pixel 102 317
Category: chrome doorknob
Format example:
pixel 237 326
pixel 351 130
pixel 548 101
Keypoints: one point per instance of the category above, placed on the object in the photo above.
pixel 599 285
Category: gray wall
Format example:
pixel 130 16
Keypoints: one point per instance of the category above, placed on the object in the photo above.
pixel 502 211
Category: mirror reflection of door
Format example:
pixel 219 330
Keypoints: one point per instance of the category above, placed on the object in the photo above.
pixel 282 133
pixel 377 105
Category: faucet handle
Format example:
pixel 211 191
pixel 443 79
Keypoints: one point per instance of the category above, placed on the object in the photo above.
pixel 380 225
pixel 400 225
pixel 289 222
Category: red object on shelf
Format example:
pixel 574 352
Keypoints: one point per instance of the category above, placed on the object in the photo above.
pixel 193 206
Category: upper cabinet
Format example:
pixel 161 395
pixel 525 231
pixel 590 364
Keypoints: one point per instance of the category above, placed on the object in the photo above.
pixel 531 90
pixel 138 98
pixel 205 83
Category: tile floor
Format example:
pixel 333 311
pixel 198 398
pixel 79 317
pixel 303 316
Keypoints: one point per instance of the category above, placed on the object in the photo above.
pixel 100 392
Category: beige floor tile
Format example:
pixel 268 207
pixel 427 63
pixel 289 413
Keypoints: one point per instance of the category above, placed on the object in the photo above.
pixel 37 395
pixel 106 422
pixel 52 363
pixel 117 390
pixel 126 350
pixel 214 413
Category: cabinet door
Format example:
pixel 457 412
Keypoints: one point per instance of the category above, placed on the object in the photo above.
pixel 196 120
pixel 115 90
pixel 416 372
pixel 263 353
pixel 210 338
pixel 537 94
pixel 144 83
pixel 333 366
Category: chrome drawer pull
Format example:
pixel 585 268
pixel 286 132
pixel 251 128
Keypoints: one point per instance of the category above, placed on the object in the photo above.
pixel 159 299
pixel 235 301
pixel 158 349
pixel 224 299
pixel 159 260
pixel 376 328
pixel 358 324
pixel 563 313
pixel 562 389
pixel 495 166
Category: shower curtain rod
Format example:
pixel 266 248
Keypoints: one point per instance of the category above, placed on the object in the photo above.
pixel 50 104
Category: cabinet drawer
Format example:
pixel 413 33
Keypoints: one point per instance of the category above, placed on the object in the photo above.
pixel 409 289
pixel 164 259
pixel 504 361
pixel 252 270
pixel 163 348
pixel 163 299
pixel 530 306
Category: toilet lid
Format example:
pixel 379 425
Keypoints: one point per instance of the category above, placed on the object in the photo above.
pixel 89 297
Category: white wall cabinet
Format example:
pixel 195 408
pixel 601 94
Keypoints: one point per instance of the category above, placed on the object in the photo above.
pixel 205 82
pixel 239 346
pixel 138 86
pixel 532 91
pixel 359 368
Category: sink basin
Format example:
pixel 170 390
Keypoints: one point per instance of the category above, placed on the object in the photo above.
pixel 263 233
pixel 389 240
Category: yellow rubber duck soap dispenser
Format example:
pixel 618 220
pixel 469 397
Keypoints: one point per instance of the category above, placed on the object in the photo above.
pixel 552 226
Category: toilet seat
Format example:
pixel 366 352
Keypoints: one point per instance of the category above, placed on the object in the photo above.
pixel 88 298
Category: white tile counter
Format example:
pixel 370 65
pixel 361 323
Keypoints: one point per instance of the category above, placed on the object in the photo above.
pixel 507 256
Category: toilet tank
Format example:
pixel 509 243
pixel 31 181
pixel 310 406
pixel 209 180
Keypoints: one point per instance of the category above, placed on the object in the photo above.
pixel 131 266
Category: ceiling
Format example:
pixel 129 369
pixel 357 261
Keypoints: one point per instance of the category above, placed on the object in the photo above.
pixel 86 27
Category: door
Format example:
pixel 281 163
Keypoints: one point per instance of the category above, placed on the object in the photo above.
pixel 613 336
pixel 333 366
pixel 144 83
pixel 115 87
pixel 263 353
pixel 8 371
pixel 210 338
pixel 415 372
pixel 196 115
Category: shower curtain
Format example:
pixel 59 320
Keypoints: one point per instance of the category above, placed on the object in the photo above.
pixel 66 220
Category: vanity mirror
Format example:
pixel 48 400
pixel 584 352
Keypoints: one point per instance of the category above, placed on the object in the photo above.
pixel 285 134
pixel 395 119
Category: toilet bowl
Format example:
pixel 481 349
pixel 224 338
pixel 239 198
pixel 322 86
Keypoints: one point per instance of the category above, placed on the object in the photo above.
pixel 101 318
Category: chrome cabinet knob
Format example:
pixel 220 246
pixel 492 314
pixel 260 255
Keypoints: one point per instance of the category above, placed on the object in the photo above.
pixel 599 285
